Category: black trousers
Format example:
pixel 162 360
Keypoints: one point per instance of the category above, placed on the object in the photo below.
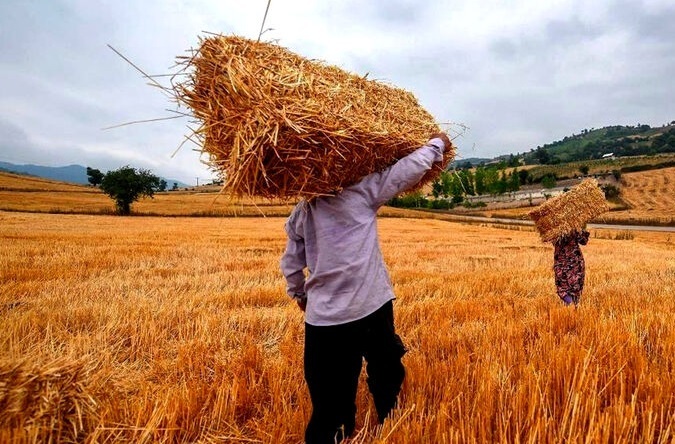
pixel 333 358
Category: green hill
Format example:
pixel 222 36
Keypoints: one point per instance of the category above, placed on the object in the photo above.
pixel 617 141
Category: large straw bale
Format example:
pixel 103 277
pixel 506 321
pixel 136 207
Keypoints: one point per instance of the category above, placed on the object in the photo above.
pixel 278 125
pixel 49 402
pixel 570 211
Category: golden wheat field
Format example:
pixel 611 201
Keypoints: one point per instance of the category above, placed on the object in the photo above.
pixel 18 182
pixel 650 193
pixel 25 193
pixel 145 329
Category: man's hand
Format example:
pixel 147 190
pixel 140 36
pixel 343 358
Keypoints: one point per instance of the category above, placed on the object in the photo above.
pixel 301 299
pixel 444 137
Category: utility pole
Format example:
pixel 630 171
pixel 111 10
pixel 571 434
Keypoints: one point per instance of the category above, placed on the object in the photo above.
pixel 197 181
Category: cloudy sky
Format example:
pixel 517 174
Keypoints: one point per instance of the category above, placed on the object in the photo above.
pixel 517 73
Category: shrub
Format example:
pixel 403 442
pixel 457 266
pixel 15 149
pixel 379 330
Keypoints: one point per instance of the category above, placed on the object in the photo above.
pixel 610 191
pixel 411 200
pixel 468 204
pixel 548 181
pixel 439 204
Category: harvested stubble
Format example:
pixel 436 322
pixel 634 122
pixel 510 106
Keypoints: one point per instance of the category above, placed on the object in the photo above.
pixel 278 125
pixel 53 401
pixel 569 212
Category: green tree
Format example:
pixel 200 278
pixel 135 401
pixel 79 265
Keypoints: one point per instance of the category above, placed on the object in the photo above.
pixel 514 181
pixel 479 178
pixel 446 177
pixel 436 188
pixel 491 180
pixel 523 176
pixel 542 155
pixel 548 181
pixel 583 169
pixel 456 190
pixel 126 185
pixel 466 182
pixel 94 176
pixel 441 185
pixel 162 185
pixel 502 184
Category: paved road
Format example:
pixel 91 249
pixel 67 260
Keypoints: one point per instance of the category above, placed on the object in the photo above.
pixel 633 227
pixel 495 220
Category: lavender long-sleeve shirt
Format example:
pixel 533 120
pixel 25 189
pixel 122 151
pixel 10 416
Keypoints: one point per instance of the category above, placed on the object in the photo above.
pixel 335 238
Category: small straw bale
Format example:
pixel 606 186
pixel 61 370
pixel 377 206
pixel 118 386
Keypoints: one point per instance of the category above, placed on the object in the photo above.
pixel 570 211
pixel 45 403
pixel 277 125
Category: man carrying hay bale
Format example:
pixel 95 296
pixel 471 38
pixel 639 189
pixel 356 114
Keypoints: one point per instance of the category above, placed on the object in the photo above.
pixel 347 297
pixel 562 221
pixel 277 125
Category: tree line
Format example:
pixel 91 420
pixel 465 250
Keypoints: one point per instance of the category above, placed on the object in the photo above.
pixel 452 187
pixel 483 180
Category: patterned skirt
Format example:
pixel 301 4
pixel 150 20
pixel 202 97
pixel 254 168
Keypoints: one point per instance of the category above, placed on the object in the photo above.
pixel 569 279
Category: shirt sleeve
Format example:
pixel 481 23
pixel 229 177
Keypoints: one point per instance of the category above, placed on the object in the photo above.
pixel 381 186
pixel 293 263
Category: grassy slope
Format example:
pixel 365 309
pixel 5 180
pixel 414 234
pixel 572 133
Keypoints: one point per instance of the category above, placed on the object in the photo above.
pixel 599 166
pixel 564 149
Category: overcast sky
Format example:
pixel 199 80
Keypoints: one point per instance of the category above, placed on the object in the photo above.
pixel 517 73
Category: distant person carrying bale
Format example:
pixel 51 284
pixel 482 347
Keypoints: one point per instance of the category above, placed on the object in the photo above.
pixel 562 221
pixel 569 266
pixel 347 295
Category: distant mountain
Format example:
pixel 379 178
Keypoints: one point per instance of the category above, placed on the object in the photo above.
pixel 70 173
